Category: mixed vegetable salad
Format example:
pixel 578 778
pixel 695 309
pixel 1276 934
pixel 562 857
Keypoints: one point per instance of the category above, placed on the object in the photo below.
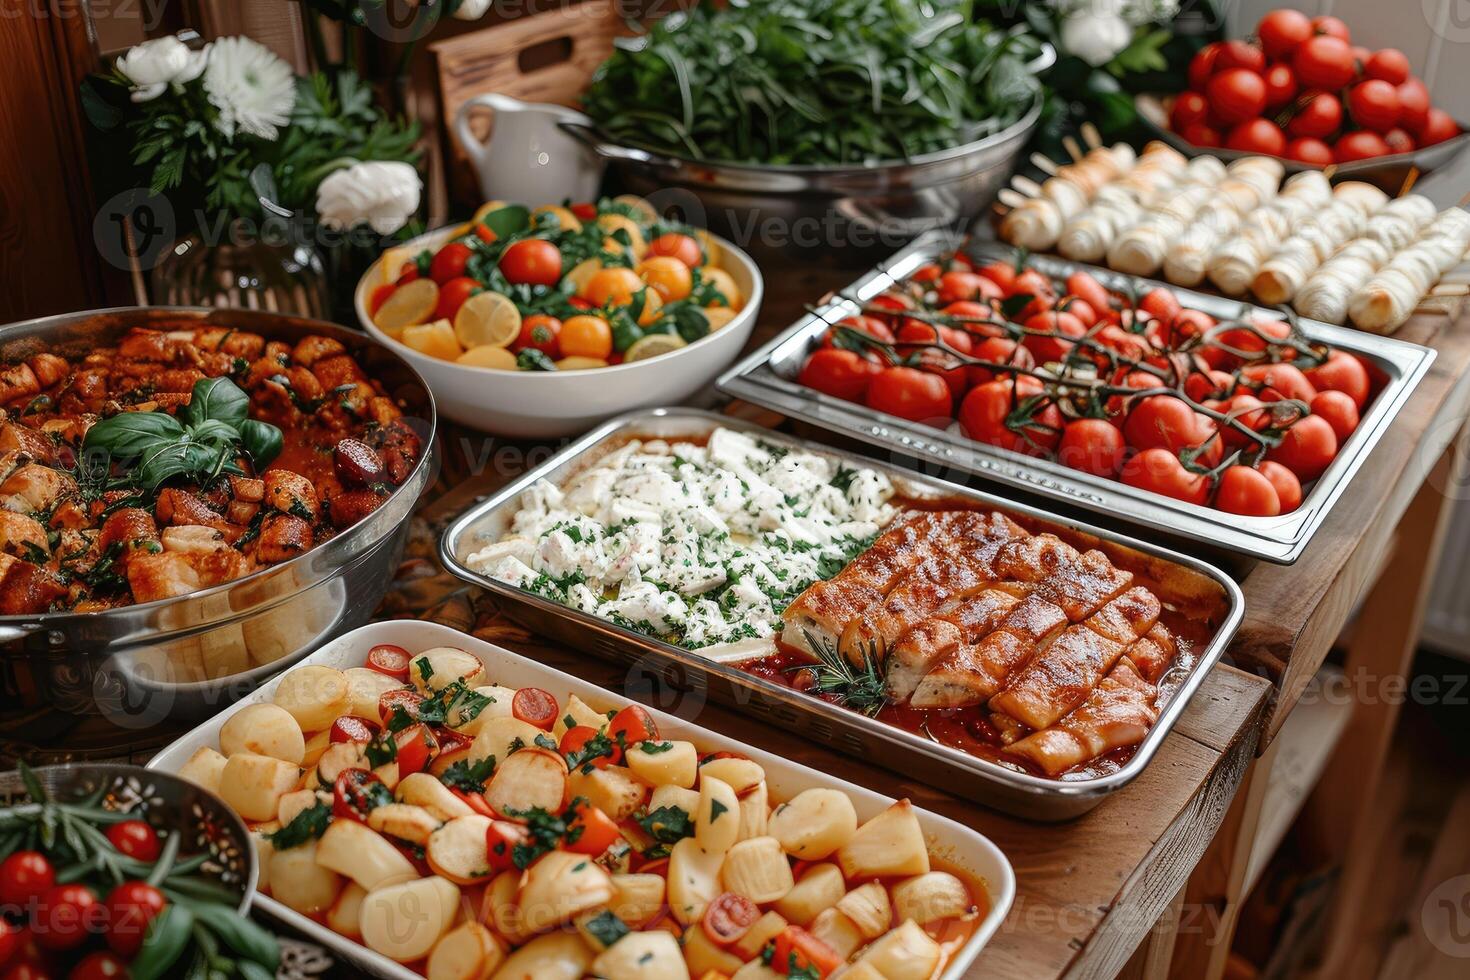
pixel 557 288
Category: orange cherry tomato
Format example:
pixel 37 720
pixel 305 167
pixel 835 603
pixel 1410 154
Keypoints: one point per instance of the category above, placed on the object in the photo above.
pixel 728 917
pixel 681 247
pixel 574 743
pixel 798 950
pixel 667 276
pixel 589 830
pixel 632 725
pixel 615 286
pixel 586 336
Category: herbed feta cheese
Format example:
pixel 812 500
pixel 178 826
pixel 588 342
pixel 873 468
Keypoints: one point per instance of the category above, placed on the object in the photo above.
pixel 701 545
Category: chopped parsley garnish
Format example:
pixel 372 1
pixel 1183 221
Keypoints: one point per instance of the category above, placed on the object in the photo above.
pixel 546 742
pixel 594 748
pixel 469 776
pixel 545 831
pixel 307 825
pixel 667 825
pixel 606 928
pixel 381 750
pixel 654 748
pixel 716 808
pixel 426 669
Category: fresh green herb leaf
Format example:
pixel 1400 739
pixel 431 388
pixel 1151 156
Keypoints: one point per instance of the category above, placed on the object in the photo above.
pixel 307 825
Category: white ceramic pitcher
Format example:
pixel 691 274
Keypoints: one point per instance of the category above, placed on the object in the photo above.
pixel 529 157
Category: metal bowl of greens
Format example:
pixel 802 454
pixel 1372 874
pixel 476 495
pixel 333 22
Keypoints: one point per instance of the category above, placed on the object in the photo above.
pixel 838 126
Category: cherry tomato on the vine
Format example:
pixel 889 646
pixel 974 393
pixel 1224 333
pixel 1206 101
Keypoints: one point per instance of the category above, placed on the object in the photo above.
pixel 1245 491
pixel 910 394
pixel 130 907
pixel 1093 446
pixel 135 838
pixel 24 876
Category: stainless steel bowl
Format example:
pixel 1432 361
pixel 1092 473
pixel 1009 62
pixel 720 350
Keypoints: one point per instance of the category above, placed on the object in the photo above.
pixel 825 214
pixel 189 656
pixel 163 800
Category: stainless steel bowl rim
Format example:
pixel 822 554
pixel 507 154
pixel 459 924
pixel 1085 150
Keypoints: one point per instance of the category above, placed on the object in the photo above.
pixel 15 626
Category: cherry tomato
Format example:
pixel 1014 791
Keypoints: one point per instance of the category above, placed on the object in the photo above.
pixel 1033 283
pixel 1280 31
pixel 99 966
pixel 449 262
pixel 997 350
pixel 352 794
pixel 12 938
pixel 966 285
pixel 1360 145
pixel 584 211
pixel 1398 140
pixel 1253 341
pixel 135 838
pixel 390 659
pixel 534 707
pixel 501 838
pixel 632 725
pixel 408 272
pixel 413 749
pixel 129 908
pixel 1236 94
pixel 870 325
pixel 682 247
pixel 1189 108
pixel 728 917
pixel 1308 149
pixel 1240 54
pixel 1323 62
pixel 1273 382
pixel 928 273
pixel 449 742
pixel 1163 421
pixel 1280 85
pixel 1307 448
pixel 1010 414
pixel 25 876
pixel 1201 134
pixel 1332 27
pixel 66 916
pixel 1438 126
pixel 1374 105
pixel 1339 411
pixel 1257 136
pixel 1003 274
pixel 1249 411
pixel 1093 446
pixel 886 305
pixel 1050 336
pixel 1086 287
pixel 484 233
pixel 1245 491
pixel 972 322
pixel 585 335
pixel 910 394
pixel 594 831
pixel 475 801
pixel 27 971
pixel 575 741
pixel 840 373
pixel 532 261
pixel 1202 65
pixel 541 332
pixel 379 296
pixel 407 699
pixel 350 729
pixel 452 295
pixel 1388 64
pixel 1320 115
pixel 1160 471
pixel 799 951
pixel 1288 487
pixel 1414 104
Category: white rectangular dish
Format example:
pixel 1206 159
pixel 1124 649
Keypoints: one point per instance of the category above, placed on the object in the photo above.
pixel 957 846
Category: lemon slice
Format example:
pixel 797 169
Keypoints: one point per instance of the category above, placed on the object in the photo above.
pixel 582 274
pixel 434 339
pixel 652 346
pixel 564 217
pixel 487 319
pixel 410 304
pixel 644 209
pixel 489 357
pixel 718 316
pixel 653 308
pixel 390 263
pixel 712 250
pixel 577 362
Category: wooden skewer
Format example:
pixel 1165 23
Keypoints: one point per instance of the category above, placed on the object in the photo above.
pixel 1091 136
pixel 1012 198
pixel 1329 170
pixel 1072 148
pixel 1044 163
pixel 1026 185
pixel 1409 179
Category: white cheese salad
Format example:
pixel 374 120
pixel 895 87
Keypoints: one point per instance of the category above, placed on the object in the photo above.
pixel 699 545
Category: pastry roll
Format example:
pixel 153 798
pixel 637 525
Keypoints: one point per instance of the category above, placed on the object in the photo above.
pixel 1033 224
pixel 1366 198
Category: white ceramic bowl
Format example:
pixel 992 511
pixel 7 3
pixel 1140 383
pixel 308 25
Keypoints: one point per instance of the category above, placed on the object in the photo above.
pixel 539 404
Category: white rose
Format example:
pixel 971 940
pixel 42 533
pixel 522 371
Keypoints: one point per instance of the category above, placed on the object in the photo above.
pixel 1095 37
pixel 472 9
pixel 383 194
pixel 155 65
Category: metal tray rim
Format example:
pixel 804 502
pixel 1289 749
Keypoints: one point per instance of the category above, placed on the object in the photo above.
pixel 1034 786
pixel 1280 539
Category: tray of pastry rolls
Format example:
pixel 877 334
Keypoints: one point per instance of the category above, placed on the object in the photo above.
pixel 1233 387
pixel 1028 662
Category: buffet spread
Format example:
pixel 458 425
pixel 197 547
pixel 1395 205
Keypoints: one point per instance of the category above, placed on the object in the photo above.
pixel 1192 351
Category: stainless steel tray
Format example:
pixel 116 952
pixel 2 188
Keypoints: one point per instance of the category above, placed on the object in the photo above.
pixel 767 377
pixel 681 673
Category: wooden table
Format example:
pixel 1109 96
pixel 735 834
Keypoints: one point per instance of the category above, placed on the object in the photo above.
pixel 1107 893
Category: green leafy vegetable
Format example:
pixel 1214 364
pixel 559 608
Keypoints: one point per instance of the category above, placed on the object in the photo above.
pixel 307 825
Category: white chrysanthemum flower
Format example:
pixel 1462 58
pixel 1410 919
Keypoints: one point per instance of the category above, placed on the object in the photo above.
pixel 253 90
pixel 155 65
pixel 472 9
pixel 382 193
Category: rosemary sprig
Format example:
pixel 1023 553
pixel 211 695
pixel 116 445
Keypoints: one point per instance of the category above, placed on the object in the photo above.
pixel 859 687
